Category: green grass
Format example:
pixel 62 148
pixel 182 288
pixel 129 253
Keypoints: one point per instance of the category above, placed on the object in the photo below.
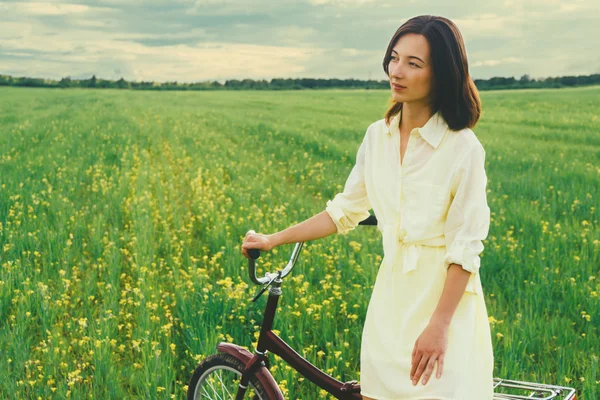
pixel 122 214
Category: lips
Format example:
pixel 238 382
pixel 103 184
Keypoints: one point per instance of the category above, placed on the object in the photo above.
pixel 396 86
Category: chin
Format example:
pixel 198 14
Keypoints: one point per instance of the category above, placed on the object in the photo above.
pixel 398 98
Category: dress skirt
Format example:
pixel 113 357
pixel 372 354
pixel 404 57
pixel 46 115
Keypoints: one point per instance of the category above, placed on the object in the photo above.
pixel 400 308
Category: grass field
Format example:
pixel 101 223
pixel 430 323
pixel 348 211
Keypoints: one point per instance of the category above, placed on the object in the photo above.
pixel 122 214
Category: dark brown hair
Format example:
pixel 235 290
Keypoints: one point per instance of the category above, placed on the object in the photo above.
pixel 453 91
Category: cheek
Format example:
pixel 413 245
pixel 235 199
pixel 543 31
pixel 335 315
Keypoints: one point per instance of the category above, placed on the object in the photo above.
pixel 424 80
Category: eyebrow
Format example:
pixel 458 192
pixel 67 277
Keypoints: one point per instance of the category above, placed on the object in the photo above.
pixel 410 56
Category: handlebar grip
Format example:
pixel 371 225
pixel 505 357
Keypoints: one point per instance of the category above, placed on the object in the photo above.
pixel 371 220
pixel 254 253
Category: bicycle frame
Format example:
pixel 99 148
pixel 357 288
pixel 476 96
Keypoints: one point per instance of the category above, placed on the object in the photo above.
pixel 269 341
pixel 257 364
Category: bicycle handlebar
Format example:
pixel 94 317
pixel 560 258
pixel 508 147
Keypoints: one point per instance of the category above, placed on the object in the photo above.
pixel 255 254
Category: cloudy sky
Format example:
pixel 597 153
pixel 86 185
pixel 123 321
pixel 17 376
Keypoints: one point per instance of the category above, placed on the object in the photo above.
pixel 197 40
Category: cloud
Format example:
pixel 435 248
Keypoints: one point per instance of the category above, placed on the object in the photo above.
pixel 48 8
pixel 74 53
pixel 483 25
pixel 345 3
pixel 551 6
pixel 493 63
pixel 190 40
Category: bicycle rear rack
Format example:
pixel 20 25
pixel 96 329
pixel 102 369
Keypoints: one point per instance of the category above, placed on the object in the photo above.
pixel 505 389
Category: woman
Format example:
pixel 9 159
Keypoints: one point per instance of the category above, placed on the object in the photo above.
pixel 421 170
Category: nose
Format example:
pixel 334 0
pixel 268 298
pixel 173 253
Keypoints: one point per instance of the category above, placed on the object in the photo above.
pixel 396 71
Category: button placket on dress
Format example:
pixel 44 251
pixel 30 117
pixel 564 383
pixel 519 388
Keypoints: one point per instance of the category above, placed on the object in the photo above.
pixel 411 251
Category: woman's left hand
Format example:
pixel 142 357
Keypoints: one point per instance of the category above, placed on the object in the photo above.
pixel 429 347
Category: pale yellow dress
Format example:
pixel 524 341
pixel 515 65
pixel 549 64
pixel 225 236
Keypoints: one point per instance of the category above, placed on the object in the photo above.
pixel 432 211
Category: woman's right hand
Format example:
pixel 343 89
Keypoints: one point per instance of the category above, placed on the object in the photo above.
pixel 254 240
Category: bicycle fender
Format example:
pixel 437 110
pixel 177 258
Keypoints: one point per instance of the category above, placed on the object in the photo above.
pixel 262 374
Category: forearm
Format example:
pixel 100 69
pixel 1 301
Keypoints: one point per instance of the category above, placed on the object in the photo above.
pixel 316 227
pixel 454 288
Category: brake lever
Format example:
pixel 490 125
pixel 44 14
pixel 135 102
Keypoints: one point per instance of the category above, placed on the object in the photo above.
pixel 257 296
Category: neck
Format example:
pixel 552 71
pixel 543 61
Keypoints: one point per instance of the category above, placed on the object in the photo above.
pixel 414 116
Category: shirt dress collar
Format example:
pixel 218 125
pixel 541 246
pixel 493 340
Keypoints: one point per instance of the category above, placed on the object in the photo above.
pixel 433 131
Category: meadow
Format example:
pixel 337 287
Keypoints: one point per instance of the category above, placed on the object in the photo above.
pixel 122 214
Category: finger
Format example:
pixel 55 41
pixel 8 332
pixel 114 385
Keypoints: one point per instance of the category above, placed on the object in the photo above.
pixel 420 369
pixel 414 360
pixel 415 364
pixel 428 370
pixel 440 366
pixel 248 243
pixel 245 247
pixel 414 350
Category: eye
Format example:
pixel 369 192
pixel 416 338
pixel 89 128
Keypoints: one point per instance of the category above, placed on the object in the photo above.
pixel 412 63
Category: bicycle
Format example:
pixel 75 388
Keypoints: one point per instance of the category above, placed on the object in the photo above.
pixel 233 371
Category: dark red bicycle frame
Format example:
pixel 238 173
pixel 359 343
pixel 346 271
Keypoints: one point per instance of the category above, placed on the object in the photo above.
pixel 268 341
pixel 256 365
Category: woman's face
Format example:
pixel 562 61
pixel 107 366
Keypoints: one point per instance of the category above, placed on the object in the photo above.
pixel 410 67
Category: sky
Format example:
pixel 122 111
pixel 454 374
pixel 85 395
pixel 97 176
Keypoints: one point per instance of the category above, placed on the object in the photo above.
pixel 199 40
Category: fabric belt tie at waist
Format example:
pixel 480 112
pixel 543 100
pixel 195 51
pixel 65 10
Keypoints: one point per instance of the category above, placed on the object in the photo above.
pixel 394 236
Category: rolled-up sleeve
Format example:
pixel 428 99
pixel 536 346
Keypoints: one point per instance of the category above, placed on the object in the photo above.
pixel 352 205
pixel 468 219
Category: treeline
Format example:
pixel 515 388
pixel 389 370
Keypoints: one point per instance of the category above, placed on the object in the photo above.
pixel 289 84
